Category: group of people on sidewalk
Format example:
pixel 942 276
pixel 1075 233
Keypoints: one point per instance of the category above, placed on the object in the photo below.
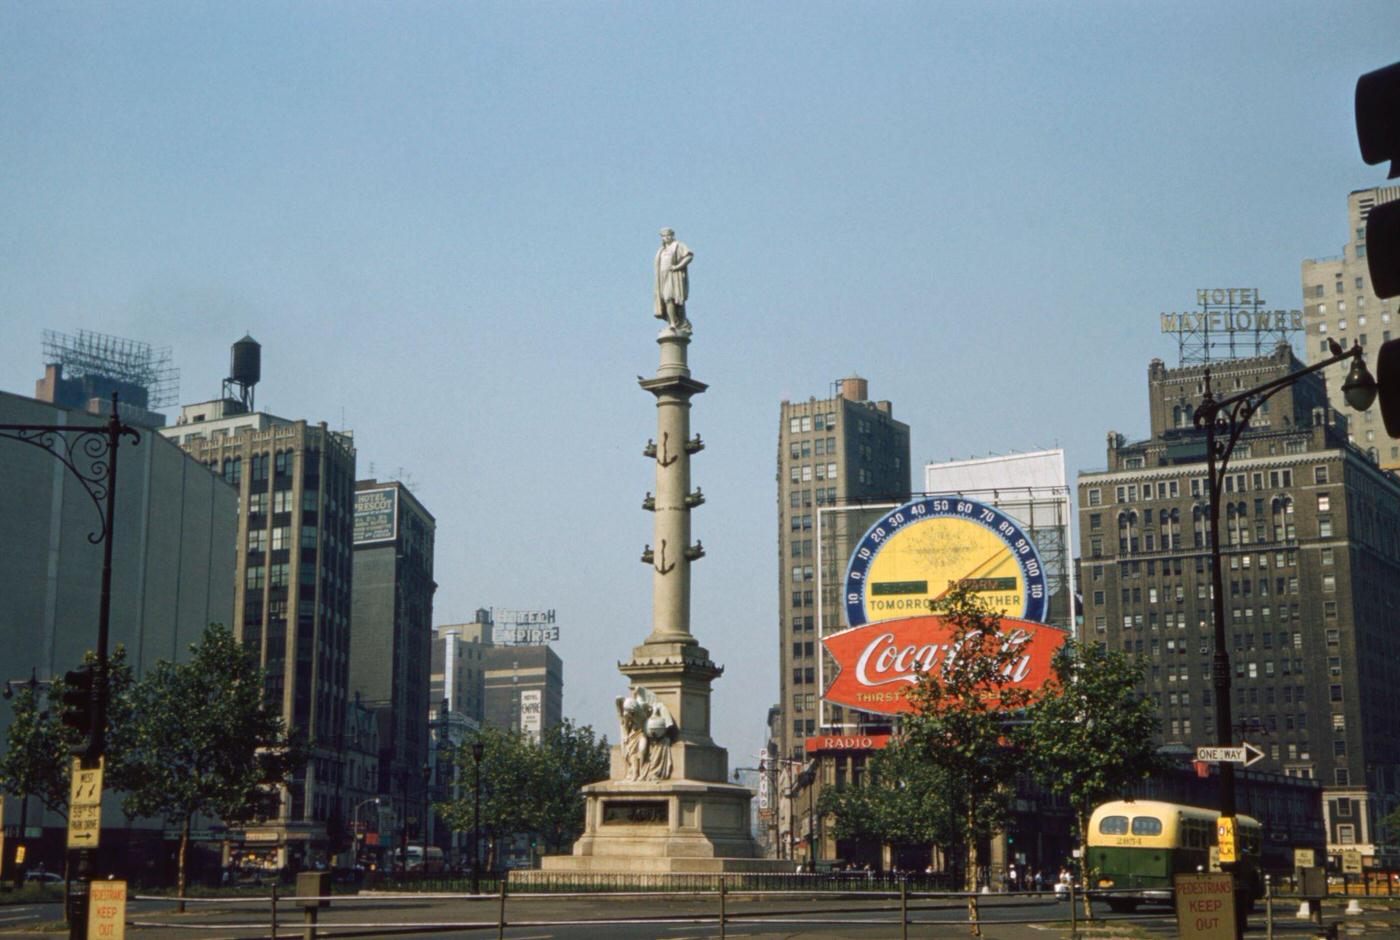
pixel 1035 879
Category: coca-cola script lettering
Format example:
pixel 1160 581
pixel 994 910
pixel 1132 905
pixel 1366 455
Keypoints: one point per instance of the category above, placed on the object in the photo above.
pixel 877 662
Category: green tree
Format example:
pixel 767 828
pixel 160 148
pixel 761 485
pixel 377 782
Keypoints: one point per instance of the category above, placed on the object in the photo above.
pixel 1094 732
pixel 527 786
pixel 902 800
pixel 959 725
pixel 199 739
pixel 38 755
pixel 573 756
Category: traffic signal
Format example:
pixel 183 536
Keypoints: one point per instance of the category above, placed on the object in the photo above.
pixel 1378 133
pixel 77 699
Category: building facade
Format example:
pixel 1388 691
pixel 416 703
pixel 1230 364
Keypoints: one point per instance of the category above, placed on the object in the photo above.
pixel 173 547
pixel 1339 303
pixel 458 667
pixel 1310 533
pixel 391 643
pixel 523 688
pixel 835 451
pixel 838 458
pixel 296 484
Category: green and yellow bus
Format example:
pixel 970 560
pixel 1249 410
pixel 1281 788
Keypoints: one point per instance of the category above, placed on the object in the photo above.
pixel 1136 847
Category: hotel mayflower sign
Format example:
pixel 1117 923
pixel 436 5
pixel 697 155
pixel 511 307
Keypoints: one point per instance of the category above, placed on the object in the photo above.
pixel 880 662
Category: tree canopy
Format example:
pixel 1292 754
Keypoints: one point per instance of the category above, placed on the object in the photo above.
pixel 529 786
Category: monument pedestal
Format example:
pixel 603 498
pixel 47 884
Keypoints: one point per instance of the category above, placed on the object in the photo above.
pixel 695 822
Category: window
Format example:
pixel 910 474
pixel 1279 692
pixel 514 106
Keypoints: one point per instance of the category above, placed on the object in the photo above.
pixel 281 537
pixel 1324 502
pixel 1095 497
pixel 1113 826
pixel 1329 583
pixel 257 540
pixel 257 503
pixel 255 577
pixel 282 501
pixel 1334 693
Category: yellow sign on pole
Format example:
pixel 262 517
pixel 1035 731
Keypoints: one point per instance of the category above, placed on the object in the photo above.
pixel 1225 838
pixel 85 806
pixel 1304 858
pixel 107 910
pixel 1351 861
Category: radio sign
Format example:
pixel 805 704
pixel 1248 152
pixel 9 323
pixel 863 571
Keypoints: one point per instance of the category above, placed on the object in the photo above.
pixel 879 662
pixel 847 742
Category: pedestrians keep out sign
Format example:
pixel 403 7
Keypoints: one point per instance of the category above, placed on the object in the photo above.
pixel 1245 753
pixel 107 910
pixel 1205 907
pixel 1351 861
pixel 85 806
pixel 1225 838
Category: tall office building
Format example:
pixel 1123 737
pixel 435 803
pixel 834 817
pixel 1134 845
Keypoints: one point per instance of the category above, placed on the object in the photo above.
pixel 1310 534
pixel 296 484
pixel 523 688
pixel 391 611
pixel 1339 303
pixel 842 450
pixel 458 664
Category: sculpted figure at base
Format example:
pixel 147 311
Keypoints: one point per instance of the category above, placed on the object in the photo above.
pixel 647 731
pixel 672 282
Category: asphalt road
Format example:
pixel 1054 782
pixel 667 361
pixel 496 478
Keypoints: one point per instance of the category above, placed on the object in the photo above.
pixel 660 919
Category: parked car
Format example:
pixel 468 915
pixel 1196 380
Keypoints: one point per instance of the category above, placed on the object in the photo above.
pixel 43 877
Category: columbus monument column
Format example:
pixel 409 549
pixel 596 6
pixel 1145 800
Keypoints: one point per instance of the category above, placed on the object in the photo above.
pixel 668 805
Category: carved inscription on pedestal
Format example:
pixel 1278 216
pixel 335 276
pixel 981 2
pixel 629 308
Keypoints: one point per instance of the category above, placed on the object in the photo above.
pixel 636 812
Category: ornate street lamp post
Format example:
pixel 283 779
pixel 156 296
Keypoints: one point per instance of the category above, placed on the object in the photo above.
pixel 90 454
pixel 1224 422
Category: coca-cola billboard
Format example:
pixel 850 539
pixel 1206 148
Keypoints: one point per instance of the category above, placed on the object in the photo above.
pixel 878 663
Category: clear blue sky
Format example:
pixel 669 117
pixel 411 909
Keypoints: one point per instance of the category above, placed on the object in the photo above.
pixel 439 220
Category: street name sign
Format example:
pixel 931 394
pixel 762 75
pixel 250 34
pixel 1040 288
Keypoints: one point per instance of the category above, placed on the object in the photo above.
pixel 85 806
pixel 1243 753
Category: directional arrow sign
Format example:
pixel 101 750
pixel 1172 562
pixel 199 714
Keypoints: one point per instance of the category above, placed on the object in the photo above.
pixel 1245 753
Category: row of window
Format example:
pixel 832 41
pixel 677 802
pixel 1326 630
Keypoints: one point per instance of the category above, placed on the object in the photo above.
pixel 1234 483
pixel 801 499
pixel 818 446
pixel 805 423
pixel 804 473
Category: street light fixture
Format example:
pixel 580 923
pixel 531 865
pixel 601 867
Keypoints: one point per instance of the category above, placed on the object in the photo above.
pixel 423 826
pixel 478 750
pixel 1228 418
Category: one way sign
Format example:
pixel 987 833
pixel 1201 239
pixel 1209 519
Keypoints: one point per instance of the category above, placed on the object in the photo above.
pixel 1246 754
